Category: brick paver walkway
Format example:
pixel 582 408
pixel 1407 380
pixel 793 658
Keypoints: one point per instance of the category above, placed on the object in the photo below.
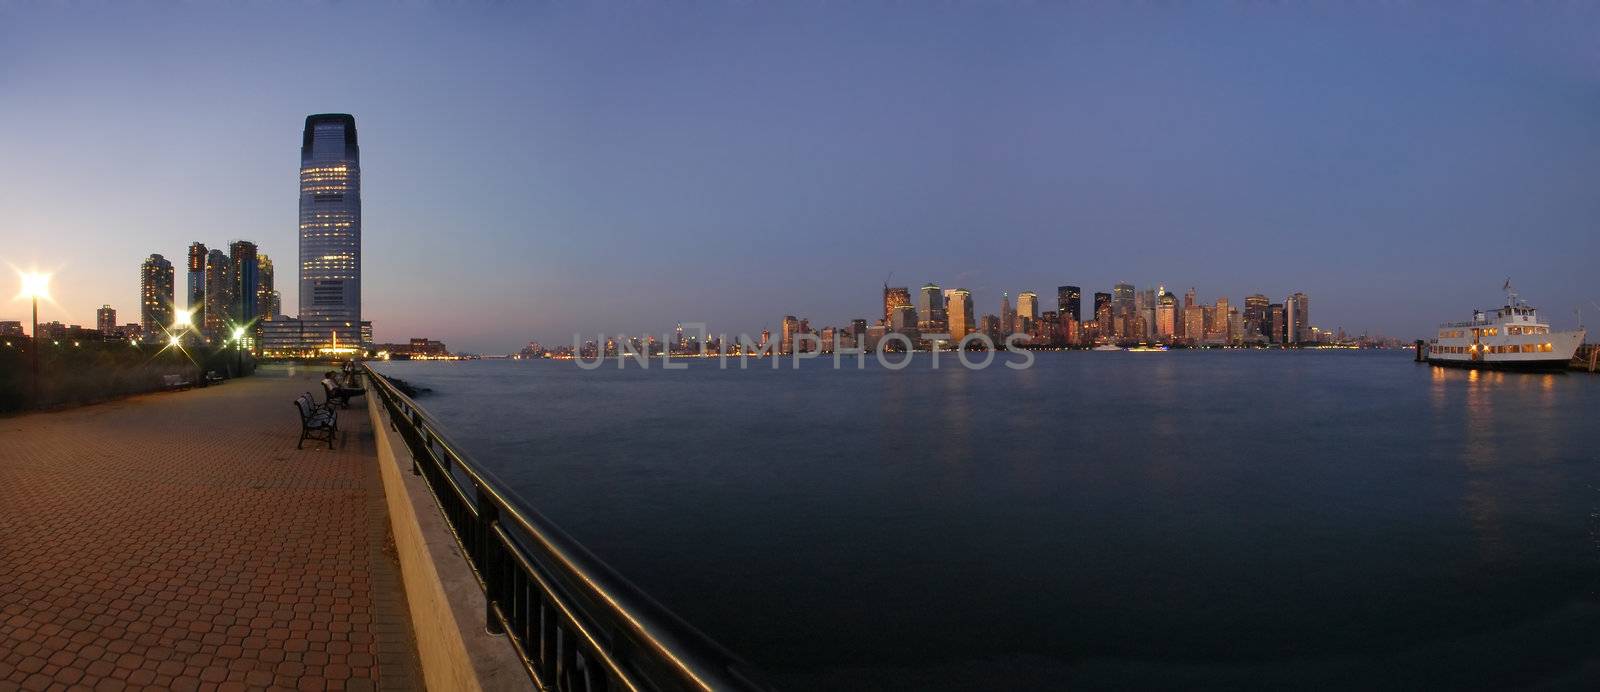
pixel 180 541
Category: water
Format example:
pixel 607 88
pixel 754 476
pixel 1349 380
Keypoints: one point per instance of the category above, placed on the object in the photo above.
pixel 1182 519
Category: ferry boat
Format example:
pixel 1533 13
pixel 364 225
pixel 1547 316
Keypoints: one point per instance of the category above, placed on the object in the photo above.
pixel 1508 338
pixel 1148 348
pixel 1107 347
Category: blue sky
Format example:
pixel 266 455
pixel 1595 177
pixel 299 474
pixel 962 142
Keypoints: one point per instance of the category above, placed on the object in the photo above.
pixel 531 170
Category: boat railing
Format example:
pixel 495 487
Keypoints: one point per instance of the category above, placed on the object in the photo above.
pixel 575 623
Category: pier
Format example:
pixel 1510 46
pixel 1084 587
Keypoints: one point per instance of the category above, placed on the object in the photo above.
pixel 180 541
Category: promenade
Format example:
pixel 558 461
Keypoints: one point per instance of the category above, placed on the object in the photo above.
pixel 180 541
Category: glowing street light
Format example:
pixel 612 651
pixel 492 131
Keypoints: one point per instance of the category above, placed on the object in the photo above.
pixel 34 287
pixel 238 347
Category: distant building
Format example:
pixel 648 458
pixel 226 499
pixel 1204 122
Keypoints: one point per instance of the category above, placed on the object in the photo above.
pixel 11 328
pixel 155 295
pixel 930 309
pixel 132 330
pixel 1275 319
pixel 1069 303
pixel 1297 318
pixel 244 273
pixel 195 293
pixel 1006 319
pixel 219 296
pixel 1257 315
pixel 1104 319
pixel 904 321
pixel 791 326
pixel 1166 316
pixel 366 334
pixel 1194 323
pixel 267 298
pixel 105 320
pixel 959 311
pixel 894 298
pixel 1027 312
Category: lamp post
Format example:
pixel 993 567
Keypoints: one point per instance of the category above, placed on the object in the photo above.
pixel 35 286
pixel 238 345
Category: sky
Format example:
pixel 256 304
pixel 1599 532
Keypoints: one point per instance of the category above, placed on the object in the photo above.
pixel 531 171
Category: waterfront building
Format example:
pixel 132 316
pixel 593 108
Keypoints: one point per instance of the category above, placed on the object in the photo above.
pixel 1069 301
pixel 1122 304
pixel 330 229
pixel 155 295
pixel 132 330
pixel 1027 312
pixel 195 293
pixel 105 320
pixel 1257 318
pixel 1217 329
pixel 1194 323
pixel 1235 326
pixel 893 298
pixel 11 328
pixel 244 280
pixel 1104 317
pixel 267 298
pixel 930 309
pixel 219 296
pixel 366 334
pixel 1007 317
pixel 990 326
pixel 1275 323
pixel 791 326
pixel 1297 318
pixel 904 321
pixel 1166 316
pixel 858 327
pixel 959 311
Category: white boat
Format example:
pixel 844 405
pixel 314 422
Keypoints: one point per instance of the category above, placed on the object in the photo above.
pixel 1507 338
pixel 1107 347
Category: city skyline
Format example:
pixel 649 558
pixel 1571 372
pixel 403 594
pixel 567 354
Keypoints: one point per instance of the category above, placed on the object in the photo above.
pixel 553 186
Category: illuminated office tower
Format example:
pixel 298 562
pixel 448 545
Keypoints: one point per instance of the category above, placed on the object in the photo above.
pixel 1275 323
pixel 959 311
pixel 155 295
pixel 1103 317
pixel 1194 322
pixel 1007 316
pixel 791 326
pixel 330 229
pixel 930 309
pixel 196 288
pixel 219 295
pixel 1122 302
pixel 1166 315
pixel 244 279
pixel 1069 301
pixel 1218 327
pixel 894 298
pixel 267 299
pixel 105 320
pixel 904 321
pixel 1257 319
pixel 1027 312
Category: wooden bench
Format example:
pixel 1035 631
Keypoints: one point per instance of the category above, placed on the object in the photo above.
pixel 175 382
pixel 318 423
pixel 213 377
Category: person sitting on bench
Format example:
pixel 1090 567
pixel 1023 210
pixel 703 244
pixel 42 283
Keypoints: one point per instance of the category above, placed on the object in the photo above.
pixel 336 392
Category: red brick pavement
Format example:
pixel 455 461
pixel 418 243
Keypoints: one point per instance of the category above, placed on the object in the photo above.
pixel 180 541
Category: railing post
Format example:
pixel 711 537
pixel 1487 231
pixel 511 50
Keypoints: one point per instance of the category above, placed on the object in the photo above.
pixel 488 516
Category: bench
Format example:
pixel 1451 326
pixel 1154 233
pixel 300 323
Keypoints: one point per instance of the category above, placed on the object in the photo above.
pixel 341 397
pixel 175 382
pixel 318 423
pixel 212 377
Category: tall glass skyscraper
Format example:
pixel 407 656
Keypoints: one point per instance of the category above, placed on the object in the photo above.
pixel 330 229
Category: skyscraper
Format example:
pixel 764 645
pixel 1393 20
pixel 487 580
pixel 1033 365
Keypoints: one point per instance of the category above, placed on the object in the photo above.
pixel 1166 315
pixel 155 295
pixel 791 326
pixel 330 229
pixel 930 309
pixel 1297 319
pixel 1257 319
pixel 219 296
pixel 1275 323
pixel 1069 303
pixel 105 320
pixel 1027 312
pixel 960 314
pixel 1122 309
pixel 196 288
pixel 244 276
pixel 1007 316
pixel 266 291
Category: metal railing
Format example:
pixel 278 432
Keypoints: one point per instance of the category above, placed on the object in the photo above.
pixel 576 624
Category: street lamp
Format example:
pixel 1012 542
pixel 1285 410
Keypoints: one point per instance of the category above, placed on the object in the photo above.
pixel 34 287
pixel 238 345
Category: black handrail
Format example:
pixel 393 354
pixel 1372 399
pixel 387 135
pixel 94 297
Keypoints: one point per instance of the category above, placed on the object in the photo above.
pixel 576 623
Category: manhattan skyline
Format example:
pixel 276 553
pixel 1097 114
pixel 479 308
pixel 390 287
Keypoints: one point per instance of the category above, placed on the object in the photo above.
pixel 531 173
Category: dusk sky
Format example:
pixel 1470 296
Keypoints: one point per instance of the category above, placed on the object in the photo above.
pixel 534 170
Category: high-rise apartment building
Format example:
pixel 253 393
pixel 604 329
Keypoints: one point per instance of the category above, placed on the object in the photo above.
pixel 219 296
pixel 959 311
pixel 1069 303
pixel 244 277
pixel 155 295
pixel 330 230
pixel 267 305
pixel 105 320
pixel 195 290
